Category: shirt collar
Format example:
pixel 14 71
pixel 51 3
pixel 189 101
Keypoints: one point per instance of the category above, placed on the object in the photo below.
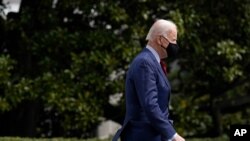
pixel 156 55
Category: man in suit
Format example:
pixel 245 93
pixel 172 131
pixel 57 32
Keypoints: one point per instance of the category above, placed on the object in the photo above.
pixel 148 90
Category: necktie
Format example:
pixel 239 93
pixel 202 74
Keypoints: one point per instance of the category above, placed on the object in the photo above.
pixel 163 66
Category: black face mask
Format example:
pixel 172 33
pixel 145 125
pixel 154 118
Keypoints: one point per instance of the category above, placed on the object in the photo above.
pixel 172 50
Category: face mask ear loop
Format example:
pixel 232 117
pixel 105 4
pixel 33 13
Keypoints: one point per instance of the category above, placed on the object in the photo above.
pixel 161 41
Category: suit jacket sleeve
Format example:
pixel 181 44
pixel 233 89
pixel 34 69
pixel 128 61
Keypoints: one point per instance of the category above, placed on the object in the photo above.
pixel 146 87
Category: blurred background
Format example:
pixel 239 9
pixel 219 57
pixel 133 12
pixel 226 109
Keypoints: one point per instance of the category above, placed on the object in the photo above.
pixel 63 64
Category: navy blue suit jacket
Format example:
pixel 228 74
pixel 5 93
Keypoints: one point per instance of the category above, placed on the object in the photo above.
pixel 147 102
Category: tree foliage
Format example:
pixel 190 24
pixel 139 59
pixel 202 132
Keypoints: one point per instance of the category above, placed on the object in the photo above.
pixel 213 65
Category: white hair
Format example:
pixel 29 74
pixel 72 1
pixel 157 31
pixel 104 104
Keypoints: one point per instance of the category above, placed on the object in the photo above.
pixel 160 27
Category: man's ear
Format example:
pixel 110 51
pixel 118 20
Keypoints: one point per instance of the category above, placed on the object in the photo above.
pixel 158 40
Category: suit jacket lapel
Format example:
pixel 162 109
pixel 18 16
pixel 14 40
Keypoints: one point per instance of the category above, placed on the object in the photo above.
pixel 158 66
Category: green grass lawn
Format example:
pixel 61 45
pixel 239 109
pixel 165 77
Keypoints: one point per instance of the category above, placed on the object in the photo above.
pixel 224 138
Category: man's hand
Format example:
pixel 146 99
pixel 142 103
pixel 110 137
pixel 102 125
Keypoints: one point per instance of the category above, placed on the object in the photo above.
pixel 177 137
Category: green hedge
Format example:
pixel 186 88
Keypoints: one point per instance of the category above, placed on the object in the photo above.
pixel 224 138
